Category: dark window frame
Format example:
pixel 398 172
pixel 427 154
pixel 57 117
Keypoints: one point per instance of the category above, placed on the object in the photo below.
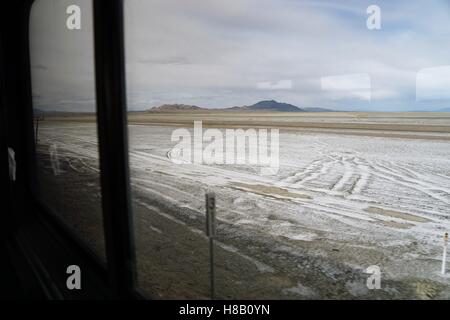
pixel 118 276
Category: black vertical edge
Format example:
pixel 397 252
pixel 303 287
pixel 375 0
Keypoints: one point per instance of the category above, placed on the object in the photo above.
pixel 27 102
pixel 4 167
pixel 113 145
pixel 17 101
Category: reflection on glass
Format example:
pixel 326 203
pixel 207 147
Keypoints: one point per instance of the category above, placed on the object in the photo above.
pixel 63 84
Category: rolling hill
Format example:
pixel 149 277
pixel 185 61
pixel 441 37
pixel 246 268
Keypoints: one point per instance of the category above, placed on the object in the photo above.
pixel 261 106
pixel 272 105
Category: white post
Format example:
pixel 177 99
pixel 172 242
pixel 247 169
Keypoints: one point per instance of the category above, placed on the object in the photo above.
pixel 444 255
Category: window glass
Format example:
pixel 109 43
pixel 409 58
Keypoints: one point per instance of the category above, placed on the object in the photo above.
pixel 323 130
pixel 63 85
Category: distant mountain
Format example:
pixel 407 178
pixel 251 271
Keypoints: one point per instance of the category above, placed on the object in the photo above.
pixel 443 110
pixel 272 105
pixel 175 108
pixel 264 106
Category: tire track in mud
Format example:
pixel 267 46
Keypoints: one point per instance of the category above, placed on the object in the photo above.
pixel 250 216
pixel 351 176
pixel 72 152
pixel 388 169
pixel 366 169
pixel 383 172
pixel 357 173
pixel 348 174
pixel 300 176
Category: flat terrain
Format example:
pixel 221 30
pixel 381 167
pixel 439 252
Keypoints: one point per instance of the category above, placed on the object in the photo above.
pixel 427 125
pixel 353 190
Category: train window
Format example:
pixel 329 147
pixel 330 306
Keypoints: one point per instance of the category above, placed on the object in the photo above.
pixel 64 107
pixel 323 131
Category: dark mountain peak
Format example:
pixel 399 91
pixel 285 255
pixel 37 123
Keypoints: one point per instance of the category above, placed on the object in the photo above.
pixel 272 105
pixel 267 102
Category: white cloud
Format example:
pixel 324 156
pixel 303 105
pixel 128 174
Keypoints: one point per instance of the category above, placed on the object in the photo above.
pixel 347 86
pixel 213 52
pixel 433 84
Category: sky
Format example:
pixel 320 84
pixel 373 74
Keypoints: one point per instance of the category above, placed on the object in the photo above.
pixel 216 54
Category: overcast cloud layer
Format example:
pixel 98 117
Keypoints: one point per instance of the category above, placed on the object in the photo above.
pixel 216 53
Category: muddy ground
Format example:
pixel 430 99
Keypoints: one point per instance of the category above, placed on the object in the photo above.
pixel 172 252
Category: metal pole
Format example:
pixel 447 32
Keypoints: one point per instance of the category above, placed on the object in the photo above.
pixel 210 233
pixel 211 266
pixel 444 255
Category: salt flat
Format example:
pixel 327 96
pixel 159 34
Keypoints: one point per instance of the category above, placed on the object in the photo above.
pixel 354 200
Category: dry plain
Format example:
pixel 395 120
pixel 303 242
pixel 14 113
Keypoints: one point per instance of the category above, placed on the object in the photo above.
pixel 353 190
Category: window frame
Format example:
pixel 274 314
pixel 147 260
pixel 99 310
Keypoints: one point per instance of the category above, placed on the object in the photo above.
pixel 113 144
pixel 118 276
